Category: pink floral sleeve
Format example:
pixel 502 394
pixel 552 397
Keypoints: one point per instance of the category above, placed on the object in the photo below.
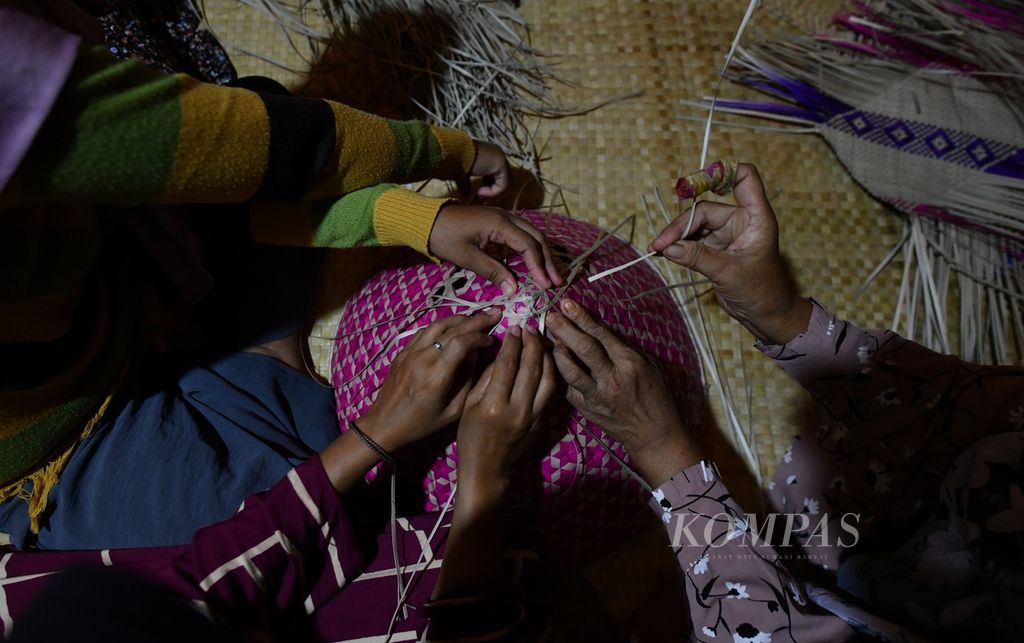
pixel 895 415
pixel 927 452
pixel 902 496
pixel 737 587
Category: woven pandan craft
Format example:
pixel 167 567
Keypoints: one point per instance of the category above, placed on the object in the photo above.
pixel 567 484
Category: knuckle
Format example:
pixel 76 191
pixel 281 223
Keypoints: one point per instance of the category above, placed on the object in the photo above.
pixel 591 349
pixel 521 421
pixel 531 365
pixel 451 345
pixel 493 410
pixel 575 380
pixel 613 388
pixel 493 273
pixel 629 367
pixel 695 253
pixel 637 360
pixel 574 397
pixel 604 333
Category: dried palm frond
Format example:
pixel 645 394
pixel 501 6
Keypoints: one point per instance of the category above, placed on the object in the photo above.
pixel 923 102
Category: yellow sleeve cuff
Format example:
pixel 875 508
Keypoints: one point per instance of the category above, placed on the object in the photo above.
pixel 458 153
pixel 405 218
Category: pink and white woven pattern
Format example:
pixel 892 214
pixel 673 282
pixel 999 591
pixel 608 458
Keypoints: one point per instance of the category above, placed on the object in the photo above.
pixel 574 489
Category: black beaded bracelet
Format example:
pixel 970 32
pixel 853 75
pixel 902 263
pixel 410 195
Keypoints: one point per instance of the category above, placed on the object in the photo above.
pixel 373 446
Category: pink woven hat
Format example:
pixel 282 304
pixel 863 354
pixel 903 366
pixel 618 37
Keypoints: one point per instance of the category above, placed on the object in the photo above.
pixel 568 484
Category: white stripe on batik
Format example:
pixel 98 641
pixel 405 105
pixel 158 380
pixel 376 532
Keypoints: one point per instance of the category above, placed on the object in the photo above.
pixel 303 494
pixel 397 636
pixel 332 552
pixel 420 534
pixel 105 557
pixel 384 573
pixel 5 612
pixel 6 622
pixel 244 560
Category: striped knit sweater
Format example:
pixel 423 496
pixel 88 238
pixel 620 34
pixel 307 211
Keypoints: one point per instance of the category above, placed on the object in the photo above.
pixel 123 134
pixel 318 173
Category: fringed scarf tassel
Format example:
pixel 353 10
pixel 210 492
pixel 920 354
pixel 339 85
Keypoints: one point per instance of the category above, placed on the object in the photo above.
pixel 35 488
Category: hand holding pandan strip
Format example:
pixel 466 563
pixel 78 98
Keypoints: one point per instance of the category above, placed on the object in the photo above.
pixel 737 247
pixel 717 177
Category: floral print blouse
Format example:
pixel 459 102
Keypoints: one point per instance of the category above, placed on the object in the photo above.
pixel 898 516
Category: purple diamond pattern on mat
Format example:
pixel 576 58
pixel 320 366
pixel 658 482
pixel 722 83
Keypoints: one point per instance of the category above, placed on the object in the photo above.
pixel 940 143
pixel 860 123
pixel 980 153
pixel 958 147
pixel 899 134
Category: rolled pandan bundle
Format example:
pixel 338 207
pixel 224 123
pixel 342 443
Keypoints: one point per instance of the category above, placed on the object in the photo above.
pixel 567 485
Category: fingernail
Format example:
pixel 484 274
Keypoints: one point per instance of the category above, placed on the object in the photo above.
pixel 516 331
pixel 531 330
pixel 508 288
pixel 569 307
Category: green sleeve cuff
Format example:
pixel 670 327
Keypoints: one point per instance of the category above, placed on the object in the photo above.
pixel 384 215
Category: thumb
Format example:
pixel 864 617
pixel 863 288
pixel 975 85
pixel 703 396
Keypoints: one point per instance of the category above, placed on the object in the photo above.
pixel 697 256
pixel 490 269
pixel 670 234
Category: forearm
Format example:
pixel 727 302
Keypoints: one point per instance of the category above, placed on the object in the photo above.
pixel 122 133
pixel 783 325
pixel 346 461
pixel 473 561
pixel 660 460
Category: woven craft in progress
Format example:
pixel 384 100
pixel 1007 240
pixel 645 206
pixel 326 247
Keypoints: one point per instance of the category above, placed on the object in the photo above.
pixel 565 469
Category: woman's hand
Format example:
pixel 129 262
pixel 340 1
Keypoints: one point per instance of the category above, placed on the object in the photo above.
pixel 623 391
pixel 737 247
pixel 500 411
pixel 426 387
pixel 462 233
pixel 502 408
pixel 492 166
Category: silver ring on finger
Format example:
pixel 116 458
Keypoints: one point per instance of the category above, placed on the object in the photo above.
pixel 439 346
